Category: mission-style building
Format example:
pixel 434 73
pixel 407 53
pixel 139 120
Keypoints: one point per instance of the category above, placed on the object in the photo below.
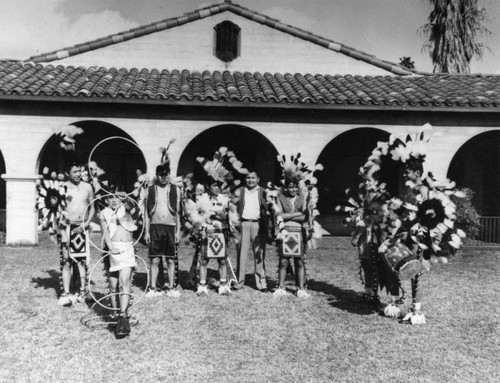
pixel 227 75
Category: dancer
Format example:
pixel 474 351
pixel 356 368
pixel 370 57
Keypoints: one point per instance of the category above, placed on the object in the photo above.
pixel 161 230
pixel 294 206
pixel 215 237
pixel 212 218
pixel 292 242
pixel 400 235
pixel 118 227
pixel 73 230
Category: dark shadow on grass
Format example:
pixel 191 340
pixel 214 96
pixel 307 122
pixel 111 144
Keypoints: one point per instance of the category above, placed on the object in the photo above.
pixel 50 282
pixel 347 300
pixel 140 280
pixel 188 281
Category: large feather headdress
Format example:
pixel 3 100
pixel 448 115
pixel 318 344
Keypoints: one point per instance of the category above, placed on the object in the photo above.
pixel 224 168
pixel 411 148
pixel 295 170
pixel 66 136
pixel 50 187
pixel 165 158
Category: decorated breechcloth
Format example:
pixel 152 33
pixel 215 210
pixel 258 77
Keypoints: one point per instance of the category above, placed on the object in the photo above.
pixel 78 243
pixel 292 239
pixel 215 244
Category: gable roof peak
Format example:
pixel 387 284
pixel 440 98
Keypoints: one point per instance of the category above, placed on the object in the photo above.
pixel 212 10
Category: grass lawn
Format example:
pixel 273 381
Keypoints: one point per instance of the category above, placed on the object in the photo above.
pixel 251 336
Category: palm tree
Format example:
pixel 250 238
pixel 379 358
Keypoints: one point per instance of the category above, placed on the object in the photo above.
pixel 453 29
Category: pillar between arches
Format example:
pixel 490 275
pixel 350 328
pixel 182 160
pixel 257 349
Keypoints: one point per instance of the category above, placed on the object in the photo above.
pixel 21 210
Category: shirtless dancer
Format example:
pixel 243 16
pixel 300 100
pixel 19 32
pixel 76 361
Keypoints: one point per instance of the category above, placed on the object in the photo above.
pixel 117 227
pixel 78 215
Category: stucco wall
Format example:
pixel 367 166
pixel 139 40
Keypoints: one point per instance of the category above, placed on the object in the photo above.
pixel 191 46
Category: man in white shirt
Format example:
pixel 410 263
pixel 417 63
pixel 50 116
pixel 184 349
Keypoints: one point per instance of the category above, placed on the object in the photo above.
pixel 253 211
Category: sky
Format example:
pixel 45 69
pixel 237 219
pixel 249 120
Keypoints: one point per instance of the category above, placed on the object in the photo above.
pixel 388 29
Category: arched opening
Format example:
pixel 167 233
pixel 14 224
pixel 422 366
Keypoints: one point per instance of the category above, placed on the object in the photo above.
pixel 118 158
pixel 342 158
pixel 249 146
pixel 3 201
pixel 476 165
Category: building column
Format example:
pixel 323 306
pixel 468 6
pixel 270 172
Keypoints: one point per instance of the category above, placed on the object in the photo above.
pixel 21 211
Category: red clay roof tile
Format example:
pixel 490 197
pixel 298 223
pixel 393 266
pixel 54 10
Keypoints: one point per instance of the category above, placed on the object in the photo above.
pixel 470 91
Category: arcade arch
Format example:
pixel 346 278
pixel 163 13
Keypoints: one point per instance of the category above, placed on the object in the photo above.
pixel 252 148
pixel 342 157
pixel 118 158
pixel 476 165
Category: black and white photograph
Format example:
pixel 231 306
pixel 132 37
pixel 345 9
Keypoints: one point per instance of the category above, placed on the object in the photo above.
pixel 249 191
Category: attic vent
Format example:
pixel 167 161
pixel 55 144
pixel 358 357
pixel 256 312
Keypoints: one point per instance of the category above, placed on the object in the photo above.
pixel 227 41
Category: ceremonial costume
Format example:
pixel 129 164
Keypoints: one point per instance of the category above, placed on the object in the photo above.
pixel 162 216
pixel 396 237
pixel 67 209
pixel 126 256
pixel 162 227
pixel 162 205
pixel 214 240
pixel 294 207
pixel 211 218
pixel 292 241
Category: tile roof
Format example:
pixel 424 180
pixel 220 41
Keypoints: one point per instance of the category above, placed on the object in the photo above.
pixel 475 92
pixel 210 11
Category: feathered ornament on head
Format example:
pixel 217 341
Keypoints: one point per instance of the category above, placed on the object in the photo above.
pixel 165 158
pixel 293 169
pixel 50 187
pixel 66 136
pixel 51 201
pixel 67 142
pixel 410 150
pixel 224 168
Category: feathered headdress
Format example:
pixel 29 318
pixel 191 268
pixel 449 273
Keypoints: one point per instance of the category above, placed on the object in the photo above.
pixel 51 198
pixel 410 149
pixel 66 136
pixel 295 170
pixel 224 168
pixel 165 158
pixel 51 201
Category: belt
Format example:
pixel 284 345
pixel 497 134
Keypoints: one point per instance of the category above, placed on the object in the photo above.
pixel 249 220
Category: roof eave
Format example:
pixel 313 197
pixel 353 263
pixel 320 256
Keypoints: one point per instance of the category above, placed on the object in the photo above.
pixel 247 104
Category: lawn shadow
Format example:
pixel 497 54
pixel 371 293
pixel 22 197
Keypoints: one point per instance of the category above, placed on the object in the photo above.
pixel 140 279
pixel 50 282
pixel 347 300
pixel 188 280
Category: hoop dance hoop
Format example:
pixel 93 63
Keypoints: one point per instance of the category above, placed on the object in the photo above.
pixel 138 297
pixel 102 142
pixel 92 320
pixel 102 250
